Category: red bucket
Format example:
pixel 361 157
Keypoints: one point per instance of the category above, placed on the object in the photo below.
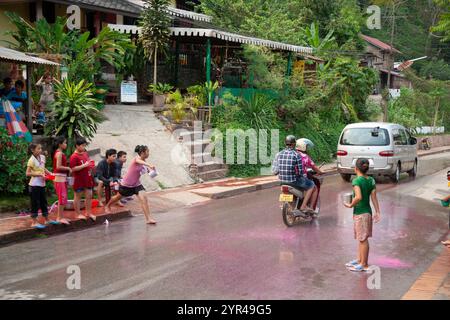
pixel 50 177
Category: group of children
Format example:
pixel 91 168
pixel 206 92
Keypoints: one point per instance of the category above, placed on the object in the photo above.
pixel 80 171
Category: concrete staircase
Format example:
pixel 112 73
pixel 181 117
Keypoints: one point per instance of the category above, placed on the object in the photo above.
pixel 203 167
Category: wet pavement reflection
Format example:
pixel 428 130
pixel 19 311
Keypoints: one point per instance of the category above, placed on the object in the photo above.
pixel 236 248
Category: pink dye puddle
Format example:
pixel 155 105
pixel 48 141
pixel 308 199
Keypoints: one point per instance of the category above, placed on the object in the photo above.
pixel 387 262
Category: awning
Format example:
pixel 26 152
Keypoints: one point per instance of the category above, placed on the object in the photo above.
pixel 13 56
pixel 226 36
pixel 178 12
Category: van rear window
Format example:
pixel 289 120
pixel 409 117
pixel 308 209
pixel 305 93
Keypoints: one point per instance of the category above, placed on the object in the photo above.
pixel 365 137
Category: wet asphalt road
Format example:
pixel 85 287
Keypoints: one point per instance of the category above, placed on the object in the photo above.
pixel 235 248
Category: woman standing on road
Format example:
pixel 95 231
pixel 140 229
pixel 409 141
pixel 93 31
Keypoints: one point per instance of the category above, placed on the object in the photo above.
pixel 364 190
pixel 131 184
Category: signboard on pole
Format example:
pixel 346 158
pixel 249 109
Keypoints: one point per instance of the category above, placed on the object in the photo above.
pixel 128 92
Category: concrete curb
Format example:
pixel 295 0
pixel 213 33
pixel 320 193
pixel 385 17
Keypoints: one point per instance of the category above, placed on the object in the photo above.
pixel 30 233
pixel 267 185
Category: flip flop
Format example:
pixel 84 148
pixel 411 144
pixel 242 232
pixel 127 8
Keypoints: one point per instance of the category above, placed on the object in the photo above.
pixel 358 268
pixel 446 243
pixel 352 263
pixel 39 226
pixel 53 222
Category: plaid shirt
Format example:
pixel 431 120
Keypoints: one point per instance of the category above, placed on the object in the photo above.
pixel 289 164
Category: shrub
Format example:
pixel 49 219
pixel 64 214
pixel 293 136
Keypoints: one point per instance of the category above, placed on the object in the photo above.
pixel 13 159
pixel 74 112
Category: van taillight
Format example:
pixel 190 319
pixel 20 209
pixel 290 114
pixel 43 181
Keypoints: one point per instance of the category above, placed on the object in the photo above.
pixel 342 153
pixel 389 153
pixel 285 189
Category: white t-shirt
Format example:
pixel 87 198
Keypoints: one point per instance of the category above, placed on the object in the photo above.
pixel 37 167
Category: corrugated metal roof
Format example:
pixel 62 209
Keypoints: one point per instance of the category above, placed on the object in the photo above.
pixel 378 43
pixel 227 36
pixel 178 12
pixel 11 55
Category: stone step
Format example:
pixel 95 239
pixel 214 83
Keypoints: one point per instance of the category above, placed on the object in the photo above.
pixel 213 175
pixel 210 166
pixel 197 145
pixel 199 158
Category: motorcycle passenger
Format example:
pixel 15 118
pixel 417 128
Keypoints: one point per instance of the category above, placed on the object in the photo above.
pixel 303 146
pixel 288 166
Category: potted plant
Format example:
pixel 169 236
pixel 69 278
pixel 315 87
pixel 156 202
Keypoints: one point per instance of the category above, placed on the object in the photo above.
pixel 160 93
pixel 177 109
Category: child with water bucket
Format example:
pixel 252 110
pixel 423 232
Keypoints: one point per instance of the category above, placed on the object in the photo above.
pixel 364 189
pixel 131 184
pixel 37 171
pixel 61 170
pixel 82 167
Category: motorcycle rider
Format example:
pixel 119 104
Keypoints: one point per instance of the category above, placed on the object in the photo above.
pixel 288 166
pixel 303 146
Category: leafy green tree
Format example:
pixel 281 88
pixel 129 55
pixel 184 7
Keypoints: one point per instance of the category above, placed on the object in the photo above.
pixel 444 21
pixel 155 33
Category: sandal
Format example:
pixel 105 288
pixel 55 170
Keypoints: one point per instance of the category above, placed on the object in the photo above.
pixel 39 226
pixel 53 222
pixel 352 263
pixel 358 268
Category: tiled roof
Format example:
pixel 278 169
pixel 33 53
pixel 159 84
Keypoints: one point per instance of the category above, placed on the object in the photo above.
pixel 115 5
pixel 378 43
pixel 134 8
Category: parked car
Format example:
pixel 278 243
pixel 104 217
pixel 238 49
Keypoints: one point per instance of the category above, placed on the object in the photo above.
pixel 390 148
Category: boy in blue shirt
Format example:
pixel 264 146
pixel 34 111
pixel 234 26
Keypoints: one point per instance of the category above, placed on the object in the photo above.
pixel 18 95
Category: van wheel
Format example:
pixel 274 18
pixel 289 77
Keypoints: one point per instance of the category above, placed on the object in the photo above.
pixel 346 177
pixel 396 176
pixel 413 172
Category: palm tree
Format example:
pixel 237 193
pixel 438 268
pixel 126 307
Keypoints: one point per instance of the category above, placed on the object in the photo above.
pixel 155 33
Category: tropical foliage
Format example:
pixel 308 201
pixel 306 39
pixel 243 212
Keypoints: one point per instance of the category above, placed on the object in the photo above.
pixel 155 33
pixel 81 53
pixel 13 158
pixel 160 88
pixel 74 112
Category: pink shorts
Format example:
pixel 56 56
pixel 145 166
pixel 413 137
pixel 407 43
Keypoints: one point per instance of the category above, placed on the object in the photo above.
pixel 61 192
pixel 362 226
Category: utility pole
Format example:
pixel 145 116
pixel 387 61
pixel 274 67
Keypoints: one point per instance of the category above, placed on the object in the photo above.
pixel 390 62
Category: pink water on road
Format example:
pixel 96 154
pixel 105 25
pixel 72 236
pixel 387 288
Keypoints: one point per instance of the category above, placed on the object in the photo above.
pixel 389 262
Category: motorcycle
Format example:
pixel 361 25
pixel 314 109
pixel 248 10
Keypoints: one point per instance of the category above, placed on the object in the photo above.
pixel 291 200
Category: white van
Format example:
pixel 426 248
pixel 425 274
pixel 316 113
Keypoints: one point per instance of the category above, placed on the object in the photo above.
pixel 389 147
